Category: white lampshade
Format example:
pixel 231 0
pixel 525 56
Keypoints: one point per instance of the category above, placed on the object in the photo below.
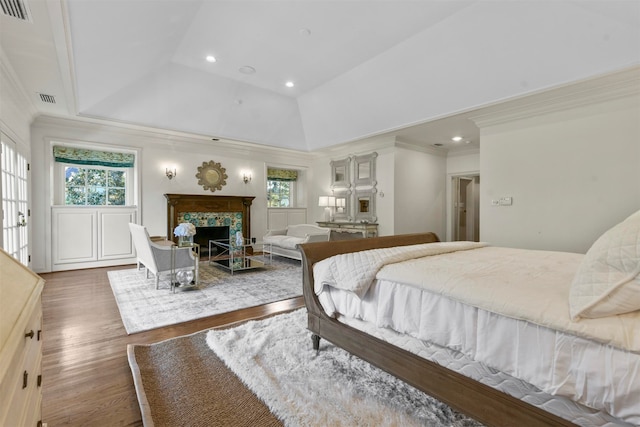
pixel 323 201
pixel 340 202
pixel 332 201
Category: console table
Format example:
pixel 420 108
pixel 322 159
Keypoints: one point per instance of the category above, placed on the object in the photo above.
pixel 367 229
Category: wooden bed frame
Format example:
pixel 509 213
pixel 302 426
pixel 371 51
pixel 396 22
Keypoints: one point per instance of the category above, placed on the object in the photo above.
pixel 479 401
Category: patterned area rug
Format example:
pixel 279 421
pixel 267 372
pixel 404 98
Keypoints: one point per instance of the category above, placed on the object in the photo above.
pixel 142 307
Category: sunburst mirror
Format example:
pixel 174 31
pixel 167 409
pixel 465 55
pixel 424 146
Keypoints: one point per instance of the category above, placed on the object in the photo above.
pixel 211 175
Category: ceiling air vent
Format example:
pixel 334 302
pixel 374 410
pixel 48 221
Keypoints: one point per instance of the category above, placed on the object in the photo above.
pixel 16 9
pixel 50 99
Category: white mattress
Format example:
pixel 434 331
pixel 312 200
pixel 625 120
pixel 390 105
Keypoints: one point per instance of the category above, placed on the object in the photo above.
pixel 596 375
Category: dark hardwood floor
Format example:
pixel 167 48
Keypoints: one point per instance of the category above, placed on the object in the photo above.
pixel 86 376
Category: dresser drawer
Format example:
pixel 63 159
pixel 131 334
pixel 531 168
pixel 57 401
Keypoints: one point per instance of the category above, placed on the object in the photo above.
pixel 20 388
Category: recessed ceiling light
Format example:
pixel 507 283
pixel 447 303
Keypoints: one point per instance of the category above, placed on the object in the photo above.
pixel 305 32
pixel 210 58
pixel 289 84
pixel 247 69
pixel 456 138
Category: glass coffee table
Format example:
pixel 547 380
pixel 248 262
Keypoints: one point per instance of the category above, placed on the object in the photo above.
pixel 236 258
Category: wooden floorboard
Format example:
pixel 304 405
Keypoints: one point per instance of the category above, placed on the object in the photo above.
pixel 86 376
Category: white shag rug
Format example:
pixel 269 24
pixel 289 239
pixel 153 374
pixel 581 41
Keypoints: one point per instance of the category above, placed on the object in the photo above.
pixel 142 307
pixel 275 359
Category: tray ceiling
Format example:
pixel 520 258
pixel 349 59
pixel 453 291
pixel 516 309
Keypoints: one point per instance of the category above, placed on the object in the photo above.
pixel 359 68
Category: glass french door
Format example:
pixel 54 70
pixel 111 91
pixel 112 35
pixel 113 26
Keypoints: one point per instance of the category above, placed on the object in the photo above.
pixel 15 238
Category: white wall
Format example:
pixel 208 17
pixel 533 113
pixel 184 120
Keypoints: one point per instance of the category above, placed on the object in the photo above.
pixel 572 175
pixel 16 110
pixel 419 186
pixel 157 151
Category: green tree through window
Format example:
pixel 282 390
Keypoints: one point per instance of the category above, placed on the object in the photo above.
pixel 279 193
pixel 94 186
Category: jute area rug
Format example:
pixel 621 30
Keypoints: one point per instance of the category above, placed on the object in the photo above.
pixel 264 373
pixel 143 307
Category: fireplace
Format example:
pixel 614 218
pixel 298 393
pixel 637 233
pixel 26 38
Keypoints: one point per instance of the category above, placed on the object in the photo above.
pixel 233 213
pixel 204 234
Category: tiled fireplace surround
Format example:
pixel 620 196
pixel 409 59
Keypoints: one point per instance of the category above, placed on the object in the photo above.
pixel 233 212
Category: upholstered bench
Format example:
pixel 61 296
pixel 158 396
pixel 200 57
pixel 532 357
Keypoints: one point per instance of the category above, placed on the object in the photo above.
pixel 285 242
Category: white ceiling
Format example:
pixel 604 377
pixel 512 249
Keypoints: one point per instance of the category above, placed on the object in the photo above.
pixel 361 68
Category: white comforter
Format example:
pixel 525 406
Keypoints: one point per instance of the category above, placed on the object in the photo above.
pixel 531 287
pixel 527 285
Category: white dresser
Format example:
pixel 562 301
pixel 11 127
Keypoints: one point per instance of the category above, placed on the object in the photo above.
pixel 20 344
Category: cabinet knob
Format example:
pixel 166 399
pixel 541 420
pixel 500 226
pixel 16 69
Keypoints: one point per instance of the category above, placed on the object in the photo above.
pixel 30 334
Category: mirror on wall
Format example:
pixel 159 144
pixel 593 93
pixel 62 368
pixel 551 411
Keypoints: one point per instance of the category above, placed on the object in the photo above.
pixel 343 206
pixel 353 183
pixel 365 206
pixel 365 170
pixel 340 173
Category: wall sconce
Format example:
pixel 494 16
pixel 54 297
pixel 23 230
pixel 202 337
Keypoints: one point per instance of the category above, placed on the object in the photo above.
pixel 170 173
pixel 328 202
pixel 246 177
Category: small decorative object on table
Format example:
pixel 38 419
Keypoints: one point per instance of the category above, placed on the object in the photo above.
pixel 185 232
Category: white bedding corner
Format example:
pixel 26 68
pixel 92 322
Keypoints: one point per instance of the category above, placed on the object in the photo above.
pixel 355 271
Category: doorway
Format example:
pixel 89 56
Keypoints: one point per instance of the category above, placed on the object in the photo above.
pixel 466 208
pixel 13 177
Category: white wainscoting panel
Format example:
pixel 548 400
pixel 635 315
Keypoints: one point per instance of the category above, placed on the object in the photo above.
pixel 74 235
pixel 115 241
pixel 88 237
pixel 279 218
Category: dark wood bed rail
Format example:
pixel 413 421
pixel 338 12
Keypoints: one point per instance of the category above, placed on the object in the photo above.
pixel 479 401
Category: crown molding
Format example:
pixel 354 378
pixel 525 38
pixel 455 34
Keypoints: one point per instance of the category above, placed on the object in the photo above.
pixel 608 87
pixel 358 147
pixel 155 136
pixel 441 152
pixel 13 87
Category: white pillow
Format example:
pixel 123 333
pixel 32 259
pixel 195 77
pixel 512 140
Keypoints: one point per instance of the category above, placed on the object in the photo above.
pixel 608 279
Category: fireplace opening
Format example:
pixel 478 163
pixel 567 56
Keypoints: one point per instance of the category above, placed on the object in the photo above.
pixel 204 234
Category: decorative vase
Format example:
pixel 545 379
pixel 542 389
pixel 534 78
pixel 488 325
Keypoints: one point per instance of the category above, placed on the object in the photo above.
pixel 239 239
pixel 184 277
pixel 185 240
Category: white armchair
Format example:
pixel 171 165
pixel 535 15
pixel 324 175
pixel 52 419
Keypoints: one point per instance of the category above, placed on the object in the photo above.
pixel 157 258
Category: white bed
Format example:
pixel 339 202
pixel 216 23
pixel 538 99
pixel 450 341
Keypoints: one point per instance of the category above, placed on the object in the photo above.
pixel 510 318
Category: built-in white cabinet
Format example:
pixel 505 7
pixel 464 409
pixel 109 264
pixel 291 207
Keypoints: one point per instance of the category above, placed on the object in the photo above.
pixel 87 237
pixel 20 344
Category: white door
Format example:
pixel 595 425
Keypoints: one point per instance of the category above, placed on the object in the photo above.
pixel 15 238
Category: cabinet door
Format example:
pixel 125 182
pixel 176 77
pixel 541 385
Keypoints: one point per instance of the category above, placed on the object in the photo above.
pixel 115 238
pixel 75 234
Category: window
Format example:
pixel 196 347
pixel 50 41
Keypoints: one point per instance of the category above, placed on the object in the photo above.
pixel 279 193
pixel 95 186
pixel 281 188
pixel 86 177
